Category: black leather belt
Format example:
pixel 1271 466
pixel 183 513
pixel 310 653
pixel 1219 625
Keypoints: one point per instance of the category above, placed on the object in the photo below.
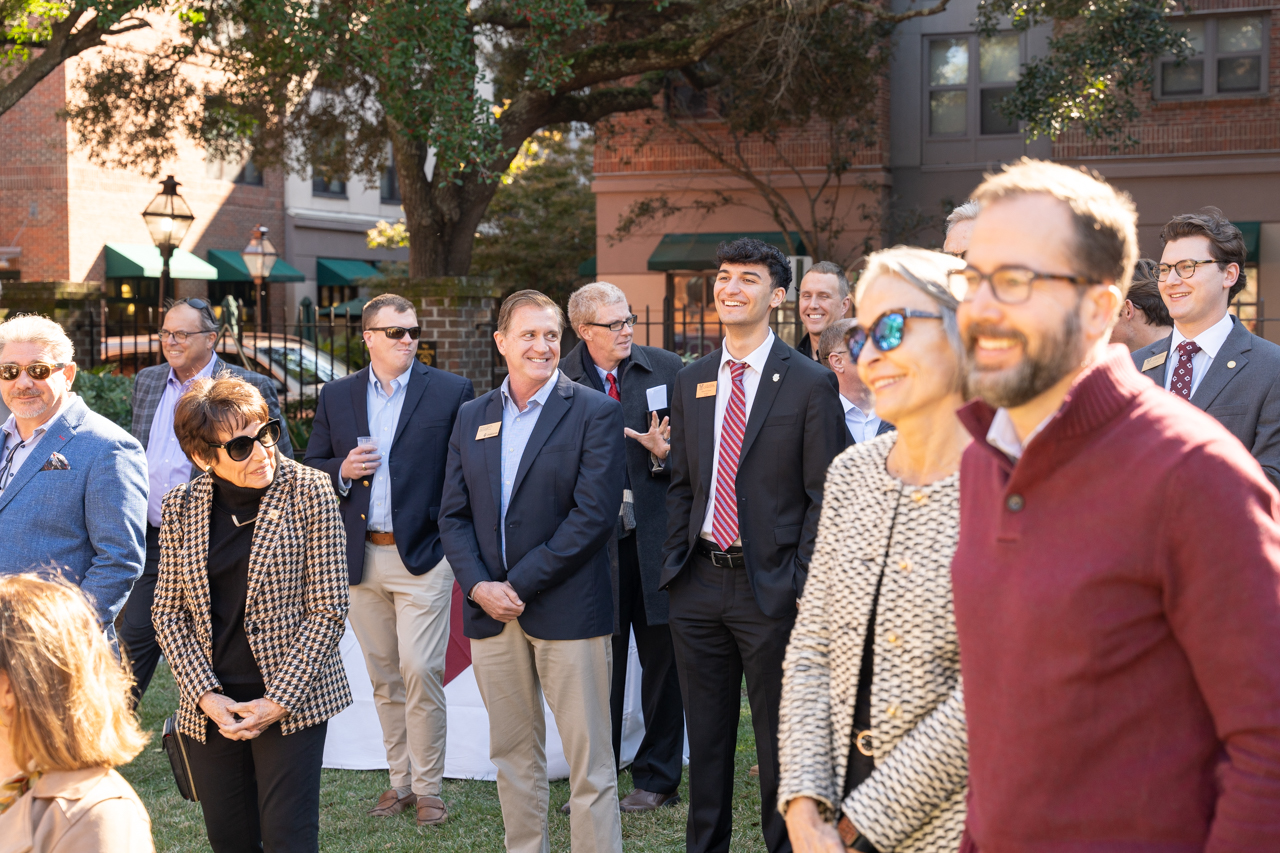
pixel 731 559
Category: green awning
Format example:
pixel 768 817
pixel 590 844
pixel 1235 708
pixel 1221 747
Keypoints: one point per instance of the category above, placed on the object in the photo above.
pixel 1252 232
pixel 338 271
pixel 231 268
pixel 350 308
pixel 134 260
pixel 698 251
pixel 587 269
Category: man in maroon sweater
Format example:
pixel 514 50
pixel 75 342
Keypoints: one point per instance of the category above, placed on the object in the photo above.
pixel 1116 587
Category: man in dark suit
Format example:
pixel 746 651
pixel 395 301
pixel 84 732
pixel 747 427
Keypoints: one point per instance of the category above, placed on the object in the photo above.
pixel 860 420
pixel 401 412
pixel 1210 358
pixel 753 428
pixel 531 501
pixel 187 337
pixel 823 299
pixel 641 378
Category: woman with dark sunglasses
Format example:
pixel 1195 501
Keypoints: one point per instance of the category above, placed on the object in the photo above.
pixel 249 608
pixel 872 733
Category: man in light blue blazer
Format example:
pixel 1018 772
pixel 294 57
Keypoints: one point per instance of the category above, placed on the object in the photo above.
pixel 73 485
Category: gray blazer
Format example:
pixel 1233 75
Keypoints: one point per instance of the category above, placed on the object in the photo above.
pixel 148 389
pixel 1241 390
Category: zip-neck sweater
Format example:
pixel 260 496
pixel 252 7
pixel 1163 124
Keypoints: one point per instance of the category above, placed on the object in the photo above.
pixel 1117 603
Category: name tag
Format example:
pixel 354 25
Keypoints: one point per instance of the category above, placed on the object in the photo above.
pixel 1154 361
pixel 488 430
pixel 705 389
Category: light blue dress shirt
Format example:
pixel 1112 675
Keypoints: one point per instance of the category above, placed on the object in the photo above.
pixel 862 425
pixel 384 416
pixel 517 426
pixel 167 465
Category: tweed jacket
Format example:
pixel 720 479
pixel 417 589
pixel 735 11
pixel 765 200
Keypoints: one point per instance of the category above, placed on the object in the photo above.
pixel 872 523
pixel 148 389
pixel 296 606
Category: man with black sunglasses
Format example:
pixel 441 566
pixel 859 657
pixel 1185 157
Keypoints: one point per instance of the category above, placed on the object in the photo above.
pixel 187 336
pixel 382 434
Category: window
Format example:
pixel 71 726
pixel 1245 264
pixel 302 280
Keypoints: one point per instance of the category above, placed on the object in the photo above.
pixel 328 187
pixel 249 174
pixel 1229 58
pixel 237 170
pixel 969 79
pixel 389 186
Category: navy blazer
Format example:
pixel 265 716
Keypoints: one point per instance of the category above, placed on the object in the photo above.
pixel 563 509
pixel 416 459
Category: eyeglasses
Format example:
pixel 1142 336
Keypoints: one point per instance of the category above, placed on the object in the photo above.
pixel 616 326
pixel 886 331
pixel 398 332
pixel 1012 285
pixel 180 336
pixel 38 370
pixel 1185 269
pixel 240 447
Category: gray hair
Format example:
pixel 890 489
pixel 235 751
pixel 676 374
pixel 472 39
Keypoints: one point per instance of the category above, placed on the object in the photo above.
pixel 829 268
pixel 586 301
pixel 35 329
pixel 962 213
pixel 832 338
pixel 929 272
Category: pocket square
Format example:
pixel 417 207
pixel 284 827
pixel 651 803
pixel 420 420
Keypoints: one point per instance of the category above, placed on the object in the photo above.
pixel 57 462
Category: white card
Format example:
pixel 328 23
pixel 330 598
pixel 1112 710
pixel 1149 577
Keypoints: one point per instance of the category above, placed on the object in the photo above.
pixel 657 396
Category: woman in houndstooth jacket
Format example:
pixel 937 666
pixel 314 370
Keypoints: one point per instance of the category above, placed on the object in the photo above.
pixel 250 605
pixel 885 758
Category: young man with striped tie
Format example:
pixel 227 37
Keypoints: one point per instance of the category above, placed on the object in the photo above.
pixel 754 426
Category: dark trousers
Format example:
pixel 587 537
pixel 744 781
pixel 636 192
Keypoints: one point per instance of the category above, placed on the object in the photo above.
pixel 137 634
pixel 721 634
pixel 261 794
pixel 660 758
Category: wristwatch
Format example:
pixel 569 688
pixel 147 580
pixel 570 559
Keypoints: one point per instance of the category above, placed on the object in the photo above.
pixel 854 840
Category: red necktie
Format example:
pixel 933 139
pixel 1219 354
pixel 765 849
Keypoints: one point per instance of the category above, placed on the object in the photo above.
pixel 724 524
pixel 612 390
pixel 1181 384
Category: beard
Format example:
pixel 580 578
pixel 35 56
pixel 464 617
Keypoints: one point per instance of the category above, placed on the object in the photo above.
pixel 1040 369
pixel 27 407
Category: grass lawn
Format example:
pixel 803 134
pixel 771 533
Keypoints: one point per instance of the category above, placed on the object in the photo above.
pixel 475 821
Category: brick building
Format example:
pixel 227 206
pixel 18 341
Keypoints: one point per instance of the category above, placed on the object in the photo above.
pixel 1209 135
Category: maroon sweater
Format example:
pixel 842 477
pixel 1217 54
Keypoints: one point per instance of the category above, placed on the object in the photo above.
pixel 1117 598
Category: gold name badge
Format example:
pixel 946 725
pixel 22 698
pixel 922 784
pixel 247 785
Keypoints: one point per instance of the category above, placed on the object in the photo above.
pixel 705 389
pixel 488 430
pixel 1154 361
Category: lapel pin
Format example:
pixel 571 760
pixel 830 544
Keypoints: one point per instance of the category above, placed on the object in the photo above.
pixel 775 377
pixel 1230 364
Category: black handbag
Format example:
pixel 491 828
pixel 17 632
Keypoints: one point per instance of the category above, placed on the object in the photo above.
pixel 176 748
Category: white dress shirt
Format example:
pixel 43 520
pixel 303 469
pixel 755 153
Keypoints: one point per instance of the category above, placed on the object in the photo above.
pixel 1210 341
pixel 1004 437
pixel 724 385
pixel 20 450
pixel 862 425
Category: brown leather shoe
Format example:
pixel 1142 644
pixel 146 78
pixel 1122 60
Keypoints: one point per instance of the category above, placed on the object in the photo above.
pixel 389 804
pixel 564 809
pixel 754 771
pixel 646 801
pixel 431 811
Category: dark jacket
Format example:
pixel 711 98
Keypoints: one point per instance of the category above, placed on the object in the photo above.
pixel 416 460
pixel 796 427
pixel 1241 390
pixel 562 512
pixel 645 368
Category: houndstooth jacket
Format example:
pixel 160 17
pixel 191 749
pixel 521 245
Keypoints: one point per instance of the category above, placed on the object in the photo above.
pixel 914 801
pixel 297 601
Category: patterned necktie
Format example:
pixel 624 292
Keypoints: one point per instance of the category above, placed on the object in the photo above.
pixel 612 390
pixel 1181 384
pixel 724 524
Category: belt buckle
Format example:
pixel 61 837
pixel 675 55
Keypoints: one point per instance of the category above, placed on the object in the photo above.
pixel 715 559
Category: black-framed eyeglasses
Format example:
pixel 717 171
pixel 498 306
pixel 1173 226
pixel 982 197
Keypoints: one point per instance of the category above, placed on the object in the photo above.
pixel 240 447
pixel 38 370
pixel 1012 285
pixel 1186 269
pixel 180 336
pixel 617 325
pixel 398 332
pixel 886 331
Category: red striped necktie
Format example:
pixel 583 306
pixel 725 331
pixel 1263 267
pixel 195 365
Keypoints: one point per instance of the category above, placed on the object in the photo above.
pixel 724 523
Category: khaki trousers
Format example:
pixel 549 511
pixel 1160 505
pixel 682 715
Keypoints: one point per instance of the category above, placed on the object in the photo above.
pixel 402 623
pixel 514 671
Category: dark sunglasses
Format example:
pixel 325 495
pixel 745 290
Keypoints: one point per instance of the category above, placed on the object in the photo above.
pixel 886 331
pixel 398 332
pixel 240 447
pixel 36 370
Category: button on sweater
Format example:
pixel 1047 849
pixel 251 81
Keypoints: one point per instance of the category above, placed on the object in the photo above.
pixel 1119 627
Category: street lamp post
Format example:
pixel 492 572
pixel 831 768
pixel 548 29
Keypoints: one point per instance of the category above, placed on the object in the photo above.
pixel 168 219
pixel 259 257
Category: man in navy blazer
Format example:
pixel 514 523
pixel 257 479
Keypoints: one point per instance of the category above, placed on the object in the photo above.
pixel 531 499
pixel 401 585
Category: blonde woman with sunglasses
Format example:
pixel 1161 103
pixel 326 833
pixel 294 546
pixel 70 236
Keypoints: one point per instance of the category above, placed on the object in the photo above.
pixel 872 732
